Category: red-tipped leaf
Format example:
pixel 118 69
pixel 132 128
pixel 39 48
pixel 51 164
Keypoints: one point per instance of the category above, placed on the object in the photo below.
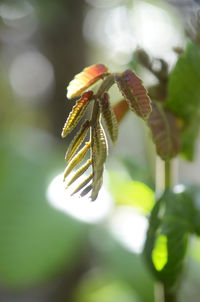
pixel 134 92
pixel 85 79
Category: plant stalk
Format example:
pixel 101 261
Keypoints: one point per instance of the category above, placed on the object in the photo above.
pixel 106 84
pixel 165 180
pixel 168 175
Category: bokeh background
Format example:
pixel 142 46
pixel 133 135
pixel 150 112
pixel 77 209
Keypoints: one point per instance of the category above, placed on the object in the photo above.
pixel 53 247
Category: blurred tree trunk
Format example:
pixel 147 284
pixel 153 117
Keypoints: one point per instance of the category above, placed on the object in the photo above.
pixel 65 48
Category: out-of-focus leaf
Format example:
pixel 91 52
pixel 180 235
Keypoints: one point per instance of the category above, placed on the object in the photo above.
pixel 99 286
pixel 154 223
pixel 99 154
pixel 77 112
pixel 134 92
pixel 184 96
pixel 120 109
pixel 165 132
pixel 85 79
pixel 36 241
pixel 172 217
pixel 109 117
pixel 131 193
pixel 189 134
pixel 193 195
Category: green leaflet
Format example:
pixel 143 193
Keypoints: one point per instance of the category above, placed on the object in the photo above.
pixel 165 132
pixel 184 97
pixel 77 141
pixel 77 159
pixel 134 92
pixel 109 117
pixel 82 185
pixel 99 155
pixel 80 172
pixel 77 112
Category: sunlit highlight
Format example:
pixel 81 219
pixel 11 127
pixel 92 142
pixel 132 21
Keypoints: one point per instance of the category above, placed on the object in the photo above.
pixel 129 228
pixel 31 75
pixel 80 208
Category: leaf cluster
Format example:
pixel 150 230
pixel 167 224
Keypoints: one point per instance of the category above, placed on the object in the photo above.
pixel 136 98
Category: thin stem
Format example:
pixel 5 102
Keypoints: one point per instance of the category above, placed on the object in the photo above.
pixel 165 180
pixel 168 176
pixel 159 292
pixel 169 296
pixel 163 295
pixel 95 113
pixel 106 84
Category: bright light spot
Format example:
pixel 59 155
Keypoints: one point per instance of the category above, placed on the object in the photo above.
pixel 129 228
pixel 154 30
pixel 103 3
pixel 80 208
pixel 15 10
pixel 121 29
pixel 32 75
pixel 117 28
pixel 160 253
pixel 112 30
pixel 179 189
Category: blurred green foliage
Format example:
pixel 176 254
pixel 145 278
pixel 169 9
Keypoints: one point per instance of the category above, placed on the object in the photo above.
pixel 184 97
pixel 131 193
pixel 35 241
